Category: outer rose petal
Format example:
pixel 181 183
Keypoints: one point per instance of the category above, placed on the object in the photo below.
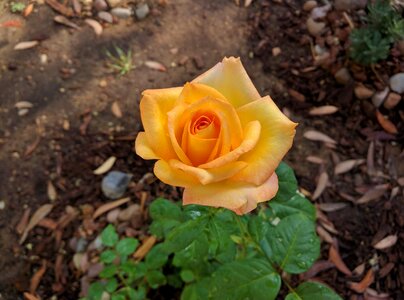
pixel 193 92
pixel 174 177
pixel 276 139
pixel 231 79
pixel 153 110
pixel 236 196
pixel 142 147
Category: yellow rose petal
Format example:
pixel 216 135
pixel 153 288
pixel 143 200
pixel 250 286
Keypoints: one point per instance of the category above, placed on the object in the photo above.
pixel 142 147
pixel 193 92
pixel 210 175
pixel 252 133
pixel 153 110
pixel 230 79
pixel 174 177
pixel 236 196
pixel 276 139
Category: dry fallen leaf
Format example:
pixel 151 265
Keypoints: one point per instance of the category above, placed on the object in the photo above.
pixel 65 21
pixel 26 45
pixel 314 135
pixel 321 185
pixel 39 214
pixel 48 223
pixel 31 148
pixel 52 193
pixel 116 110
pixel 108 206
pixel 324 235
pixel 374 193
pixel 385 123
pixel 147 244
pixel 106 166
pixel 23 104
pixel 361 286
pixel 96 26
pixel 323 110
pixel 315 159
pixel 387 242
pixel 335 257
pixel 22 224
pixel 333 206
pixel 347 165
pixel 28 10
pixel 155 65
pixel 36 278
pixel 318 266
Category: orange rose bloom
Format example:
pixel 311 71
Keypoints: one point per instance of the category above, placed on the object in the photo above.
pixel 216 137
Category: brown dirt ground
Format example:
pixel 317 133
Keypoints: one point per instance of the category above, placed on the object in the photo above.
pixel 68 88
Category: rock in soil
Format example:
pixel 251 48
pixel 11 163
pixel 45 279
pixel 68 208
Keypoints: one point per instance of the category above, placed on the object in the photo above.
pixel 392 100
pixel 106 17
pixel 362 92
pixel 142 11
pixel 100 5
pixel 114 184
pixel 121 12
pixel 313 27
pixel 397 83
pixel 343 76
pixel 309 5
pixel 379 97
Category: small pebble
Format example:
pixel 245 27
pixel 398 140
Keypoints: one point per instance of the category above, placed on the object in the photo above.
pixel 121 12
pixel 320 12
pixel 2 205
pixel 131 212
pixel 142 11
pixel 276 51
pixel 379 97
pixel 112 216
pixel 100 5
pixel 23 112
pixel 114 184
pixel 313 27
pixel 106 17
pixel 81 245
pixel 343 76
pixel 362 92
pixel 392 100
pixel 397 83
pixel 114 3
pixel 309 5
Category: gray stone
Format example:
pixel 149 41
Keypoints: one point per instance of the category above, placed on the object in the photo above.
pixel 397 83
pixel 105 16
pixel 379 97
pixel 121 12
pixel 142 11
pixel 114 184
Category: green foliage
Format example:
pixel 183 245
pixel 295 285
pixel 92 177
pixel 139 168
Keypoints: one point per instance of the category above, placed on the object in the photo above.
pixel 212 253
pixel 17 7
pixel 120 61
pixel 372 43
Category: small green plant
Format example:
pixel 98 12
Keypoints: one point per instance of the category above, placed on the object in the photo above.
pixel 372 43
pixel 120 61
pixel 17 7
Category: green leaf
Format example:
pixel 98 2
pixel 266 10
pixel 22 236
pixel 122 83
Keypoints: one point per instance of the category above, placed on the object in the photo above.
pixel 187 276
pixel 257 227
pixel 166 216
pixel 133 270
pixel 111 285
pixel 109 237
pixel 107 256
pixel 157 257
pixel 312 290
pixel 197 291
pixel 126 246
pixel 184 234
pixel 95 291
pixel 108 271
pixel 155 279
pixel 292 244
pixel 296 204
pixel 118 297
pixel 246 279
pixel 133 294
pixel 287 182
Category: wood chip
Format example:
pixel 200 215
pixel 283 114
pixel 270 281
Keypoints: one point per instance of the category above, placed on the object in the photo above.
pixel 39 214
pixel 60 8
pixel 387 125
pixel 373 194
pixel 387 242
pixel 323 110
pixel 329 207
pixel 65 21
pixel 147 244
pixel 296 95
pixel 335 257
pixel 106 166
pixel 36 278
pixel 361 286
pixel 26 45
pixel 315 159
pixel 347 165
pixel 47 223
pixel 116 110
pixel 324 235
pixel 321 185
pixel 52 193
pixel 22 224
pixel 154 65
pixel 96 26
pixel 28 10
pixel 23 104
pixel 108 206
pixel 314 135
